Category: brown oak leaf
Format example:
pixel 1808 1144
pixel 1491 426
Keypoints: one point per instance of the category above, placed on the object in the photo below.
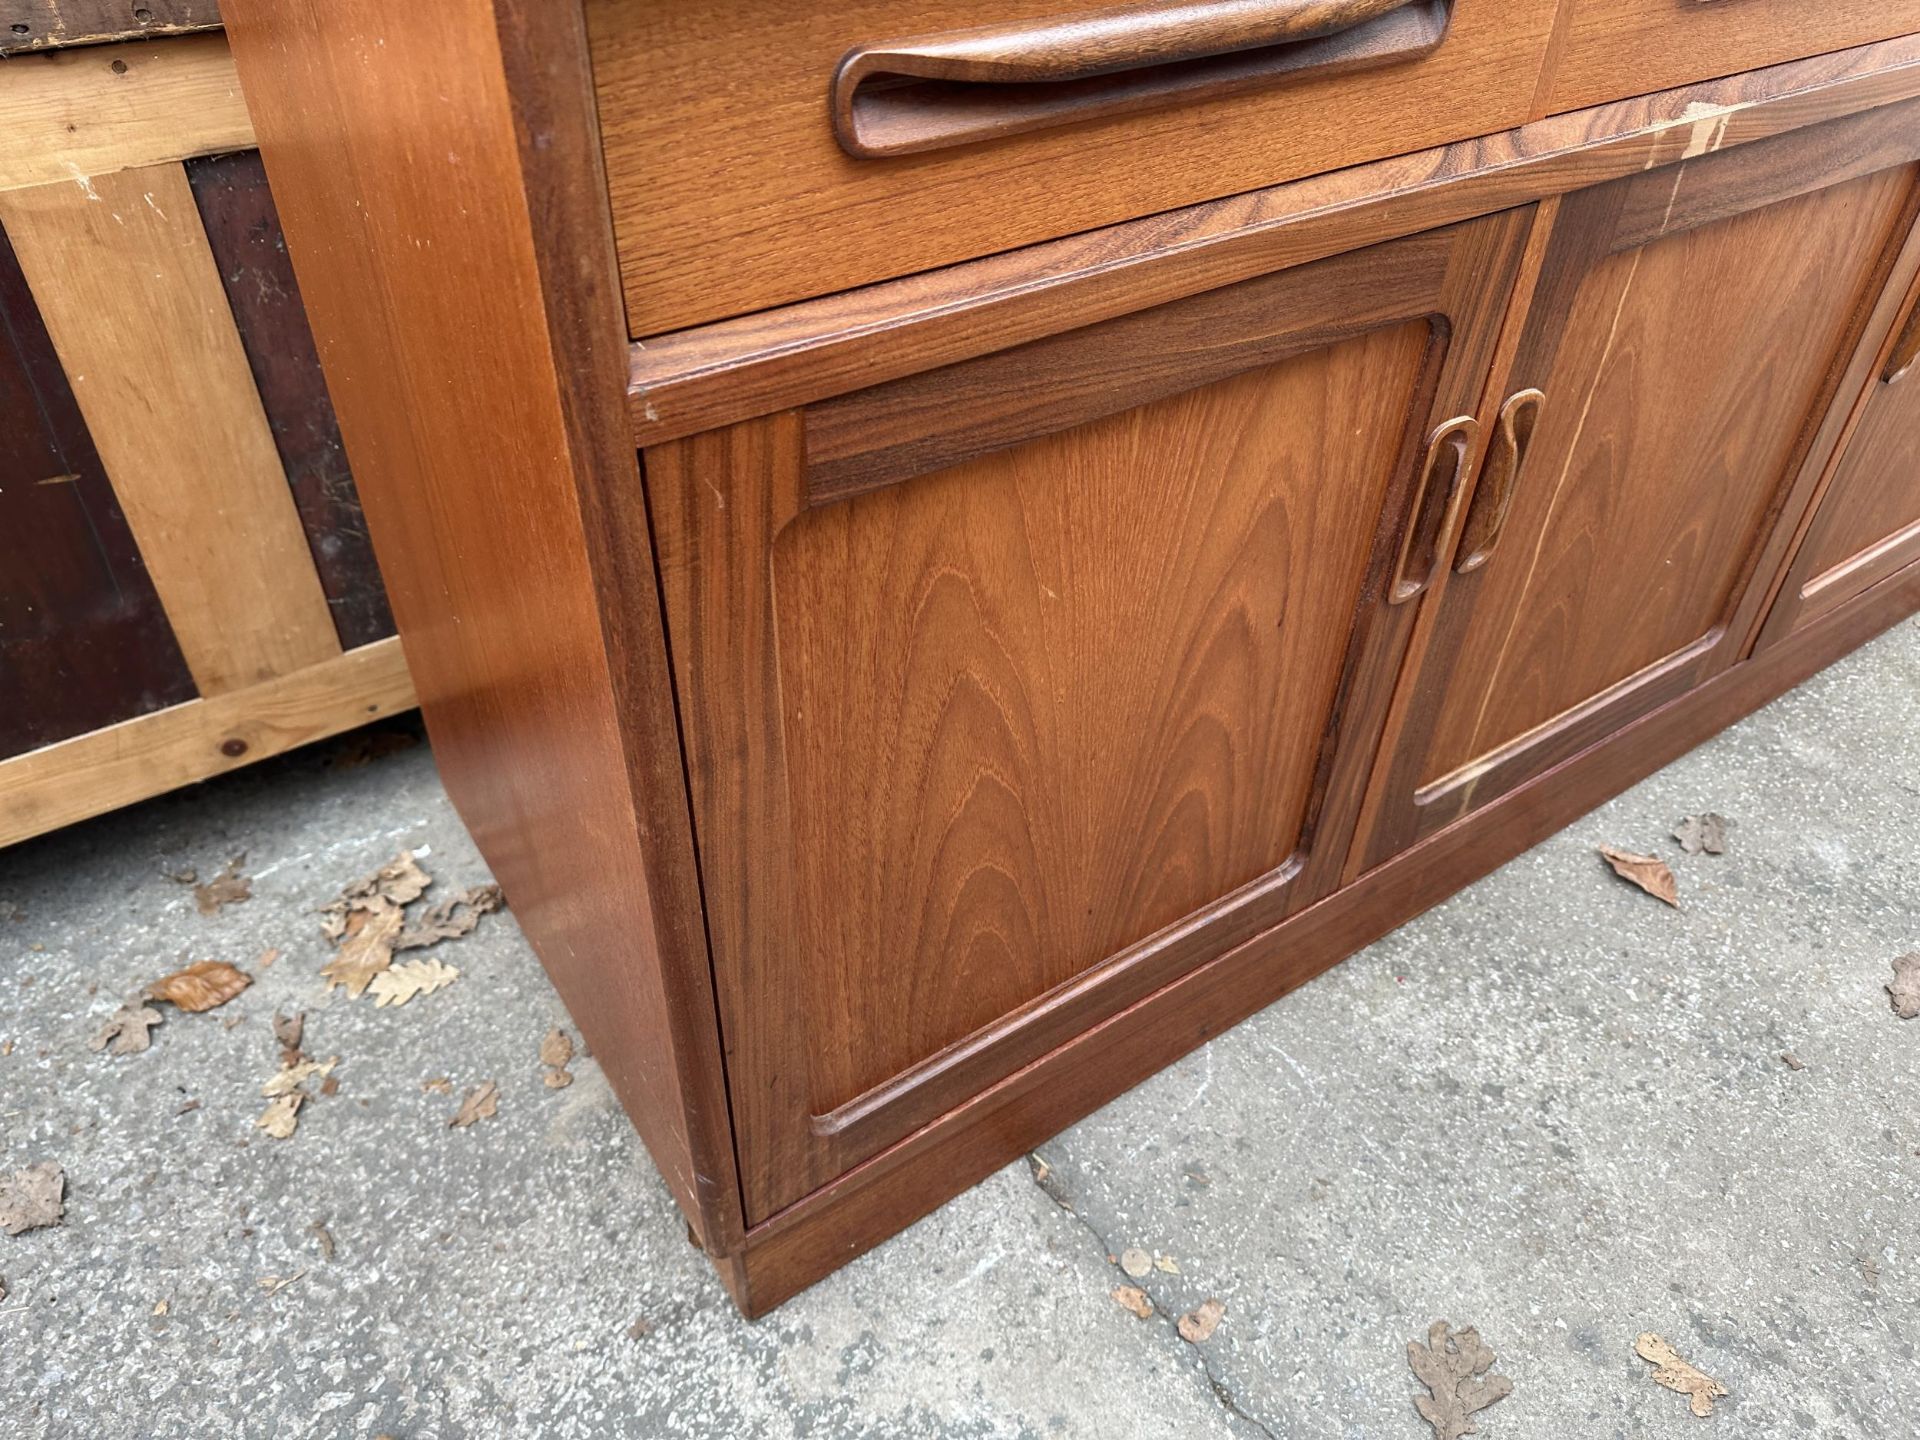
pixel 366 952
pixel 282 1116
pixel 400 983
pixel 556 1052
pixel 1454 1365
pixel 1905 986
pixel 229 887
pixel 481 1102
pixel 205 985
pixel 1197 1326
pixel 1676 1374
pixel 1649 872
pixel 127 1031
pixel 33 1198
pixel 398 883
pixel 450 918
pixel 289 1032
pixel 1699 833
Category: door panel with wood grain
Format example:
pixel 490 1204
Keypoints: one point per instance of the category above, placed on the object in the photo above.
pixel 1015 689
pixel 1688 334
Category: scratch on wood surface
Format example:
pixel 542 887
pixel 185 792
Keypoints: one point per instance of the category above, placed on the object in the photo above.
pixel 84 181
pixel 1709 127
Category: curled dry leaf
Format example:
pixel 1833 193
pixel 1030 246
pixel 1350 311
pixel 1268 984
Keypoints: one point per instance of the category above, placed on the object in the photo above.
pixel 1197 1326
pixel 365 953
pixel 206 985
pixel 1702 832
pixel 290 1079
pixel 482 1102
pixel 1649 872
pixel 451 918
pixel 281 1118
pixel 1676 1374
pixel 1454 1365
pixel 33 1198
pixel 289 1032
pixel 229 887
pixel 1905 986
pixel 400 983
pixel 398 883
pixel 127 1031
pixel 1134 1299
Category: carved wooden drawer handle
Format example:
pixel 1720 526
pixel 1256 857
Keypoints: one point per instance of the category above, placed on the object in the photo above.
pixel 1443 479
pixel 1499 478
pixel 970 85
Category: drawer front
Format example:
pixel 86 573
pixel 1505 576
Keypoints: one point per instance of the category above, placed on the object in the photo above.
pixel 1609 49
pixel 730 129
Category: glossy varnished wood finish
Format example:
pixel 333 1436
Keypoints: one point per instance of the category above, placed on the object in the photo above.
pixel 1609 48
pixel 689 91
pixel 698 379
pixel 1690 330
pixel 983 754
pixel 462 290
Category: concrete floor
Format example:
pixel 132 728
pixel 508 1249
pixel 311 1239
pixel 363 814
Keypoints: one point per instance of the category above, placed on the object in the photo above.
pixel 1552 1108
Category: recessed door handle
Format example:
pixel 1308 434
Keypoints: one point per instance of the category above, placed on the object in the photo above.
pixel 1499 478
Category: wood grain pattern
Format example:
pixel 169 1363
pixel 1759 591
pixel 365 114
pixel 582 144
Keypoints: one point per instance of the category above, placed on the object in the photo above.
pixel 436 171
pixel 74 114
pixel 129 292
pixel 83 640
pixel 717 374
pixel 243 231
pixel 44 24
pixel 1677 428
pixel 963 740
pixel 688 91
pixel 1611 48
pixel 104 769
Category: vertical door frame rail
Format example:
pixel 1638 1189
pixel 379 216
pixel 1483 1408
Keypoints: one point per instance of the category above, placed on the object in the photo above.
pixel 493 425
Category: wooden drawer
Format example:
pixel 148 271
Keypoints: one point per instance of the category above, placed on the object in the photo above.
pixel 1608 49
pixel 732 191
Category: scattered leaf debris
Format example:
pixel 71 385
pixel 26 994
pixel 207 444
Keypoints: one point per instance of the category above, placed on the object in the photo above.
pixel 1166 1264
pixel 1870 1271
pixel 160 1307
pixel 264 960
pixel 1455 1366
pixel 289 1031
pixel 640 1329
pixel 1792 1061
pixel 1134 1299
pixel 1136 1262
pixel 1905 986
pixel 451 918
pixel 1649 872
pixel 1699 833
pixel 204 985
pixel 282 1117
pixel 323 1237
pixel 274 1284
pixel 396 884
pixel 33 1198
pixel 229 887
pixel 556 1053
pixel 127 1031
pixel 188 1108
pixel 292 1077
pixel 437 1085
pixel 1197 1326
pixel 1676 1374
pixel 398 984
pixel 481 1102
pixel 366 952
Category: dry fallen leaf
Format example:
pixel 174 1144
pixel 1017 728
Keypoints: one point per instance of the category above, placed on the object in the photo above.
pixel 481 1102
pixel 400 983
pixel 1136 1262
pixel 1792 1061
pixel 1905 986
pixel 1134 1298
pixel 451 918
pixel 399 882
pixel 1702 832
pixel 127 1031
pixel 32 1199
pixel 1650 873
pixel 160 1307
pixel 291 1078
pixel 1454 1365
pixel 323 1237
pixel 1676 1374
pixel 281 1118
pixel 290 1032
pixel 640 1329
pixel 274 1284
pixel 206 985
pixel 438 1085
pixel 366 952
pixel 1197 1326
pixel 1166 1263
pixel 264 960
pixel 556 1051
pixel 229 887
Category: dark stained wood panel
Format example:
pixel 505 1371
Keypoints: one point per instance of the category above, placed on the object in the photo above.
pixel 83 640
pixel 243 230
pixel 44 24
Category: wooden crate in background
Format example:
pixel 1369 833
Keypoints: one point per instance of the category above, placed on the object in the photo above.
pixel 185 580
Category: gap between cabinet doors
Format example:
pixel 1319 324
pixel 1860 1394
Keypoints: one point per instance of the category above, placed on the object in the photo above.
pixel 780 544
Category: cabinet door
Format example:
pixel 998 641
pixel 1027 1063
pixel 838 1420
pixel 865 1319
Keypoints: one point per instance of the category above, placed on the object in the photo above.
pixel 1013 690
pixel 1867 524
pixel 1669 394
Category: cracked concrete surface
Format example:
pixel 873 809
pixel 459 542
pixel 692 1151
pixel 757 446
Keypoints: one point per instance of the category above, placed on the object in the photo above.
pixel 1551 1108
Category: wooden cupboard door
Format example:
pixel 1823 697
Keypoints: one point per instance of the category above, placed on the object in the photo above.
pixel 1669 402
pixel 1014 690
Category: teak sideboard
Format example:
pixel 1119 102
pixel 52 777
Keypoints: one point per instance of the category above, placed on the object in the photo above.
pixel 951 553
